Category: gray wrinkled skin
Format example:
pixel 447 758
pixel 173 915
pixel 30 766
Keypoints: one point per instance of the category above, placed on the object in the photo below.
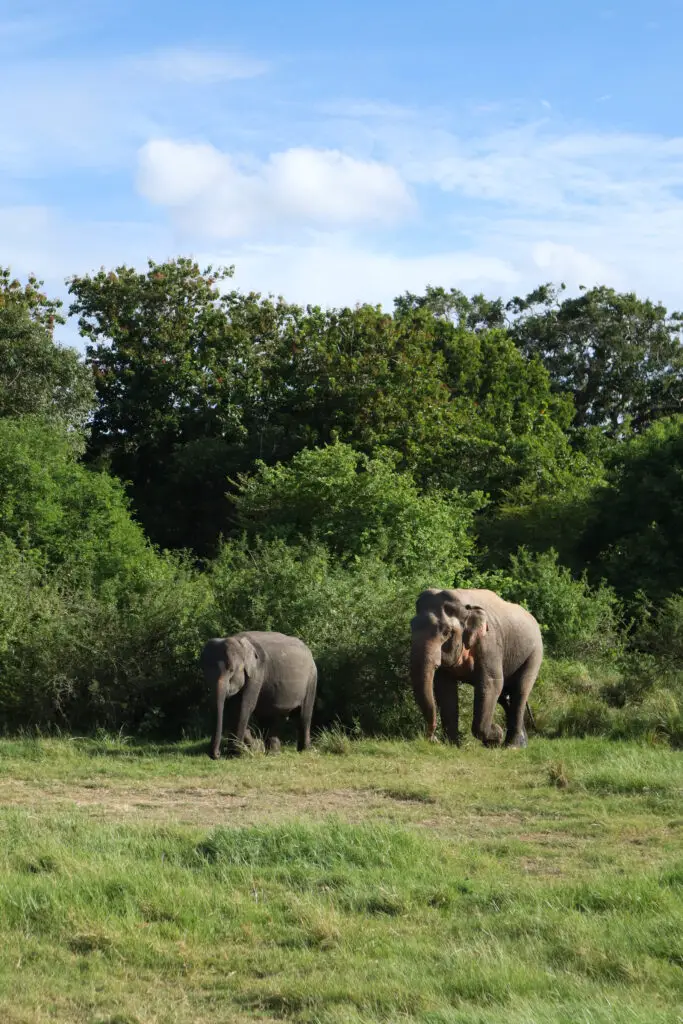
pixel 474 637
pixel 268 675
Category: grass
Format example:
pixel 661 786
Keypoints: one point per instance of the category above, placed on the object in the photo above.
pixel 363 881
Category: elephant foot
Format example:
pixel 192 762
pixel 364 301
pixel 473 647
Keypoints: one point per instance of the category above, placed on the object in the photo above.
pixel 215 755
pixel 493 738
pixel 517 741
pixel 274 745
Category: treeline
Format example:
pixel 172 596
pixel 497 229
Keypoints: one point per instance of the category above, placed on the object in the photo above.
pixel 221 461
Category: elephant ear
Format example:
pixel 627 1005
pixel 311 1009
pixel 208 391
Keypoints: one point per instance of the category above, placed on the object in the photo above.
pixel 249 656
pixel 476 626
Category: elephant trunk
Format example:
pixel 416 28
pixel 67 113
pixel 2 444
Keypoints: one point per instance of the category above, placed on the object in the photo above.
pixel 424 660
pixel 221 693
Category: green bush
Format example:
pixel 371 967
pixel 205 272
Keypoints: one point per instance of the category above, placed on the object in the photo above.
pixel 359 506
pixel 71 518
pixel 659 633
pixel 77 660
pixel 96 628
pixel 634 536
pixel 36 642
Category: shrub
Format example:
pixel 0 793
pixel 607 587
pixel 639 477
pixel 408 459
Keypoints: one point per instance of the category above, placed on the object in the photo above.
pixel 71 518
pixel 359 506
pixel 78 660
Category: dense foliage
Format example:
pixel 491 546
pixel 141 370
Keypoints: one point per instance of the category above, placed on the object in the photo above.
pixel 220 461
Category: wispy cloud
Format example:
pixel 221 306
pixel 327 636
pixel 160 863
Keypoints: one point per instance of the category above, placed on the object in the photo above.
pixel 334 270
pixel 28 31
pixel 559 174
pixel 60 114
pixel 330 201
pixel 217 195
pixel 197 66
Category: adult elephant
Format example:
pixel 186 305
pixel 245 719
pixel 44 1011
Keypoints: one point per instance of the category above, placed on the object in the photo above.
pixel 268 675
pixel 475 637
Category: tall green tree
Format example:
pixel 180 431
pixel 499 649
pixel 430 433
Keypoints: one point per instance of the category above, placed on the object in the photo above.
pixel 634 536
pixel 195 384
pixel 476 313
pixel 462 408
pixel 177 362
pixel 362 376
pixel 620 357
pixel 37 375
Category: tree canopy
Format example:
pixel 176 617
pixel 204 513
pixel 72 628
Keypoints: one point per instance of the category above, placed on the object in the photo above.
pixel 36 375
pixel 620 357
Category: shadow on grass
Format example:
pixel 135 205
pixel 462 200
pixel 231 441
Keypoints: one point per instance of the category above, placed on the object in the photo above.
pixel 132 747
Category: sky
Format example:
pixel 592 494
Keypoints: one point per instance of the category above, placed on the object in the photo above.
pixel 348 152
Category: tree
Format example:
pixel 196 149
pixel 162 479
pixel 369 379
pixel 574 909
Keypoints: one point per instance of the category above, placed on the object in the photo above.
pixel 70 518
pixel 360 506
pixel 176 365
pixel 29 297
pixel 634 537
pixel 37 375
pixel 361 376
pixel 472 314
pixel 195 385
pixel 463 409
pixel 619 356
pixel 507 429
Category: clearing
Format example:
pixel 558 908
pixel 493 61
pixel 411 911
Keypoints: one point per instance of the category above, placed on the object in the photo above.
pixel 360 882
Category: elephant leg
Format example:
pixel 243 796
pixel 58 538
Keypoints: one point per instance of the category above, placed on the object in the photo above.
pixel 271 738
pixel 306 717
pixel 231 716
pixel 232 713
pixel 244 704
pixel 487 690
pixel 446 697
pixel 523 682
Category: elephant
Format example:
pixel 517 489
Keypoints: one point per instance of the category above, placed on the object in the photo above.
pixel 266 674
pixel 475 637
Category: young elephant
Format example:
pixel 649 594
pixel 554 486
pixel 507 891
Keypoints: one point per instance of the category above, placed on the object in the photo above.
pixel 268 675
pixel 475 637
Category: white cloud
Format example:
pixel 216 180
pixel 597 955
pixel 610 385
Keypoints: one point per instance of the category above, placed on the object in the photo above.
pixel 561 262
pixel 333 271
pixel 219 196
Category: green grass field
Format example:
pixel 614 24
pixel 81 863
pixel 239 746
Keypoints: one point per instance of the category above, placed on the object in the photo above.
pixel 359 882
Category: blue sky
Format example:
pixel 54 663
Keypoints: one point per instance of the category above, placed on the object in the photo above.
pixel 347 152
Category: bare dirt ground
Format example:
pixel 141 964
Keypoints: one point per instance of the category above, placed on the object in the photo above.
pixel 202 805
